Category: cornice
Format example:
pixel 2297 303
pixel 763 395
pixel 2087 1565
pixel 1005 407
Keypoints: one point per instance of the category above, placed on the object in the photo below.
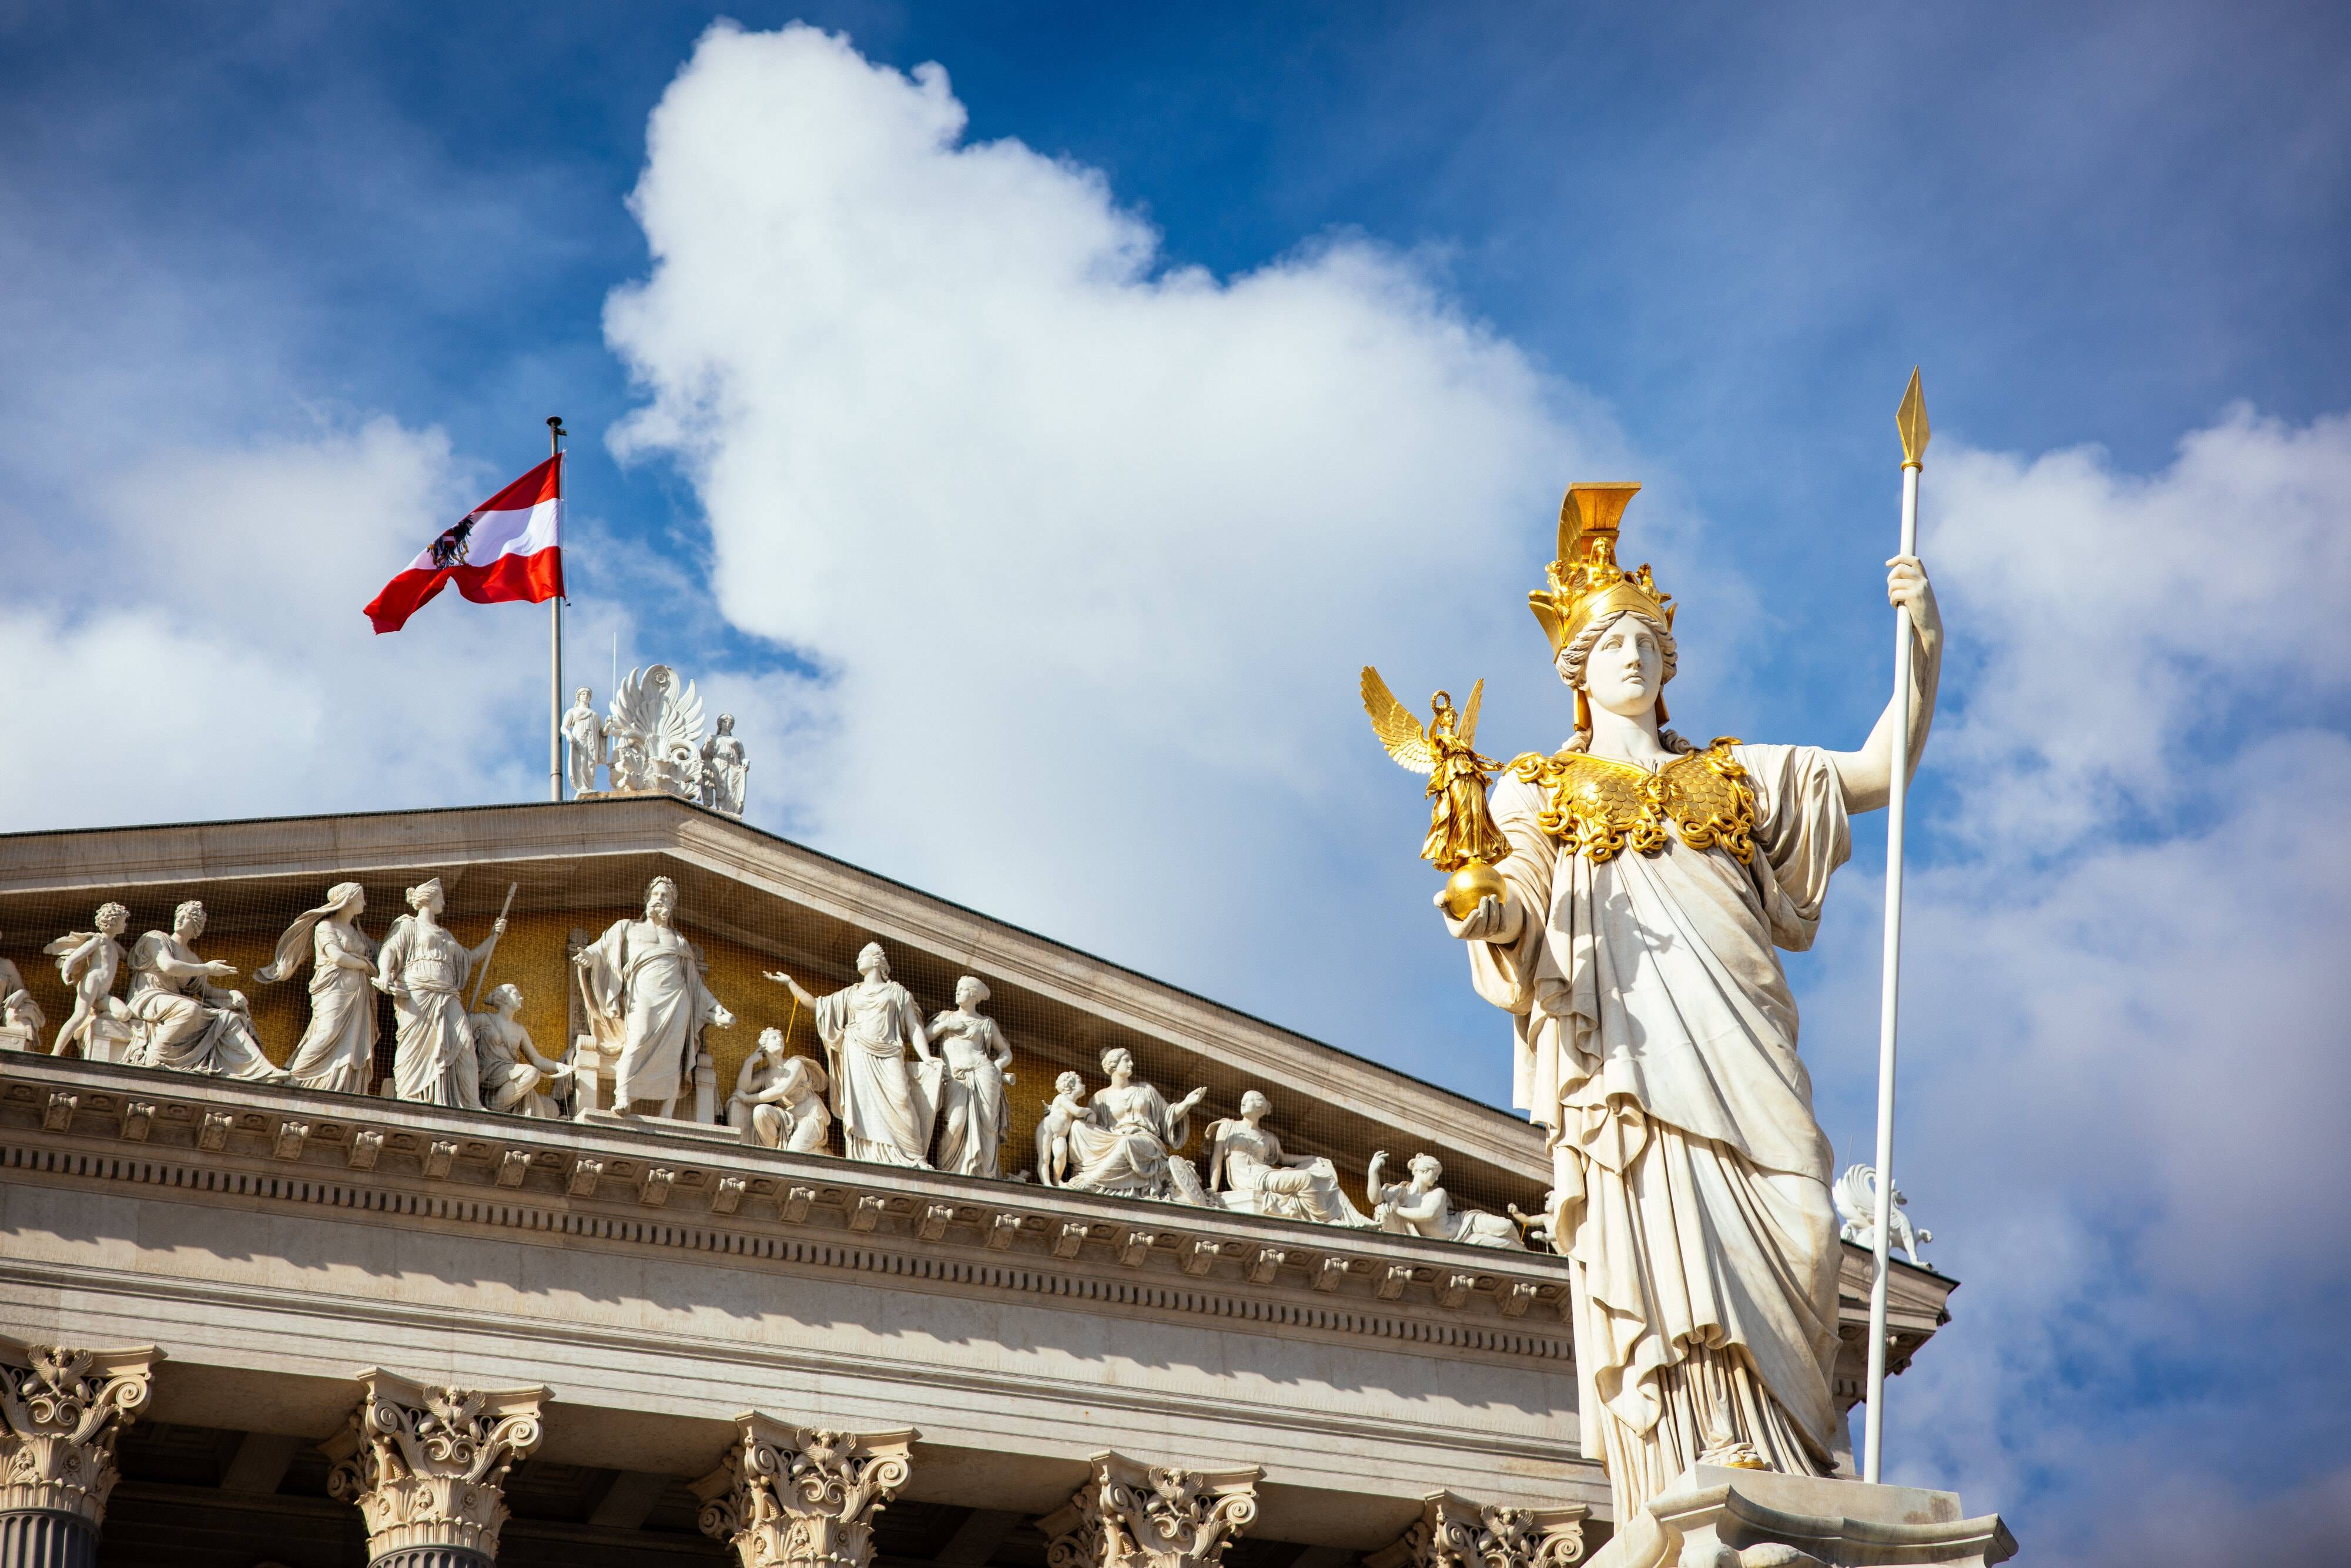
pixel 361 1161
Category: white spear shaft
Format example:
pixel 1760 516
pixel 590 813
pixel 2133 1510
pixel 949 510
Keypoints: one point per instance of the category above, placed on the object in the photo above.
pixel 1911 419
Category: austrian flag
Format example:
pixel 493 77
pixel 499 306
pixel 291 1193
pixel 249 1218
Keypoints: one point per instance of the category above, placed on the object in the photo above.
pixel 507 549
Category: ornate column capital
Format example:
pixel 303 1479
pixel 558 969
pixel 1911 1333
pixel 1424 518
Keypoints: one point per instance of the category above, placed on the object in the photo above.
pixel 427 1464
pixel 1454 1531
pixel 801 1496
pixel 60 1409
pixel 1130 1515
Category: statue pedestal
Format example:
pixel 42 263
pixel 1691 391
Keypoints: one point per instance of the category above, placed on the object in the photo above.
pixel 1717 1518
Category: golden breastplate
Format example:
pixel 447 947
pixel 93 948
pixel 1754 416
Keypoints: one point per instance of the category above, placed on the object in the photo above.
pixel 1601 809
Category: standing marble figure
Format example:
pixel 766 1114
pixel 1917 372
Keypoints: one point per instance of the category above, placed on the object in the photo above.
pixel 886 1108
pixel 1650 883
pixel 585 732
pixel 424 969
pixel 337 1051
pixel 644 975
pixel 978 1061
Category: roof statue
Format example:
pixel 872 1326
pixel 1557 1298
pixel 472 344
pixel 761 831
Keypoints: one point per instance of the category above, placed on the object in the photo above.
pixel 652 741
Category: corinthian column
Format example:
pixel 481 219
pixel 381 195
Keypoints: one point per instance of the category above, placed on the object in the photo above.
pixel 1455 1532
pixel 427 1466
pixel 62 1409
pixel 1129 1515
pixel 800 1497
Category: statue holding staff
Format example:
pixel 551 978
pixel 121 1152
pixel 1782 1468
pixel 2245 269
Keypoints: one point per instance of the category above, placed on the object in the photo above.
pixel 1649 889
pixel 424 969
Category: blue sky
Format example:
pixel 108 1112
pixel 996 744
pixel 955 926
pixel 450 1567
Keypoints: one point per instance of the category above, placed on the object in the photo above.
pixel 1031 455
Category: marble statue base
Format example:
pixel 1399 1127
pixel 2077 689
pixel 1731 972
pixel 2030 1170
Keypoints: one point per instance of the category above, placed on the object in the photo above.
pixel 1712 1517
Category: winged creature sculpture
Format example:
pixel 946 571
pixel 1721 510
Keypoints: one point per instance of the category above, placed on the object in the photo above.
pixel 1462 836
pixel 656 730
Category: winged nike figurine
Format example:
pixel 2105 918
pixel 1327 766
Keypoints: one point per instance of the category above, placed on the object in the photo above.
pixel 1462 836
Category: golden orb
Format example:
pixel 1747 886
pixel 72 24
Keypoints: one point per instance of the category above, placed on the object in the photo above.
pixel 1471 885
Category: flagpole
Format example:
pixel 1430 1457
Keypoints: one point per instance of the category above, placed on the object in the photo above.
pixel 555 433
pixel 1911 420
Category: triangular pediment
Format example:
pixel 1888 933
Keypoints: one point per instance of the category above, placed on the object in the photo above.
pixel 752 901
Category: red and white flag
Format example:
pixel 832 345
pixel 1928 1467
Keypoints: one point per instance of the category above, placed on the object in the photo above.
pixel 509 549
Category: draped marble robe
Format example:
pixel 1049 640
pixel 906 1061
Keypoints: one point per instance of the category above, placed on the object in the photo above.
pixel 425 968
pixel 886 1110
pixel 647 973
pixel 336 1051
pixel 190 1025
pixel 1657 1044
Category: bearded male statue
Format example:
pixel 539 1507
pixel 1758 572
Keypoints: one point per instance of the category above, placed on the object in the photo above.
pixel 1650 884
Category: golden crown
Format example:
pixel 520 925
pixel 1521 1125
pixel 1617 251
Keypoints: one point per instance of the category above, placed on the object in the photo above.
pixel 1586 584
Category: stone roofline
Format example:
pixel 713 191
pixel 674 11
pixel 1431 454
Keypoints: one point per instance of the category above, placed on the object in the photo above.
pixel 167 856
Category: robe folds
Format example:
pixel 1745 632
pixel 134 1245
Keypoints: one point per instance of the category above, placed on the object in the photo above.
pixel 337 1051
pixel 647 973
pixel 1657 1045
pixel 887 1105
pixel 426 970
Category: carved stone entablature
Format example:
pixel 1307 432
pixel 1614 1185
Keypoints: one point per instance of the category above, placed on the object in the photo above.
pixel 775 1209
pixel 1131 1515
pixel 62 1408
pixel 799 1497
pixel 1454 1531
pixel 427 1464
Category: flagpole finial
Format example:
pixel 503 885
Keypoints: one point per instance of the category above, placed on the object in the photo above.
pixel 1911 419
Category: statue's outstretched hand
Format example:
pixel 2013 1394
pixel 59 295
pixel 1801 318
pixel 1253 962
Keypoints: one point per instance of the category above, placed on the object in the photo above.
pixel 1494 920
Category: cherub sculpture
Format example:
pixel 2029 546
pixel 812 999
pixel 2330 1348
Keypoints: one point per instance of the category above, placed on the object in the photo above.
pixel 88 962
pixel 1068 1105
pixel 1462 836
pixel 1419 1207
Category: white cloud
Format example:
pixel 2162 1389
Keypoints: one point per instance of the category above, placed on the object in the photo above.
pixel 2122 1077
pixel 197 650
pixel 1087 544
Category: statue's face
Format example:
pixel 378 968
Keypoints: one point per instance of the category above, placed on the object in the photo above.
pixel 579 697
pixel 1255 1105
pixel 433 903
pixel 112 922
pixel 1627 669
pixel 967 994
pixel 1118 1061
pixel 660 903
pixel 190 925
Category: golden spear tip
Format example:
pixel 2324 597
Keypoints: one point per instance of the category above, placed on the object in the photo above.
pixel 1911 419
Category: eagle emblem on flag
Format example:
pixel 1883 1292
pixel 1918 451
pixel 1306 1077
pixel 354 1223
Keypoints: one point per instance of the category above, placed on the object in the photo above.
pixel 450 548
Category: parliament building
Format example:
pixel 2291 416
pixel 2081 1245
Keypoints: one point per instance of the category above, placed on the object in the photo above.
pixel 245 1321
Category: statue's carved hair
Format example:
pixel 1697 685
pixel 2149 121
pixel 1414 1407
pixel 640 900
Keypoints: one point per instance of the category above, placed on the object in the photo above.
pixel 1113 1053
pixel 120 911
pixel 505 989
pixel 1069 1083
pixel 771 1039
pixel 660 881
pixel 980 992
pixel 193 905
pixel 1572 659
pixel 1436 1166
